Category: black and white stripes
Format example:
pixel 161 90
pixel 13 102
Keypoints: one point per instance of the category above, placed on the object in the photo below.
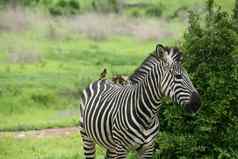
pixel 122 118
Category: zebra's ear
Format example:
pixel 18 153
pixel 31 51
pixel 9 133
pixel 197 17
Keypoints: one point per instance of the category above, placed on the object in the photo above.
pixel 160 49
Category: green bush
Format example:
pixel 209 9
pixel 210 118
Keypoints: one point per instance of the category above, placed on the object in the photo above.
pixel 26 2
pixel 155 10
pixel 43 98
pixel 64 7
pixel 55 7
pixel 212 133
pixel 235 16
pixel 106 6
pixel 236 10
pixel 136 12
pixel 30 2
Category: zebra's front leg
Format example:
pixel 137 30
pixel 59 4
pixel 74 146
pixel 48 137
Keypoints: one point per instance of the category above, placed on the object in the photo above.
pixel 88 146
pixel 120 152
pixel 146 151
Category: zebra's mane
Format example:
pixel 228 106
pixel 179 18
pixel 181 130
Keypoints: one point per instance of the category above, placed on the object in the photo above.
pixel 170 55
pixel 142 71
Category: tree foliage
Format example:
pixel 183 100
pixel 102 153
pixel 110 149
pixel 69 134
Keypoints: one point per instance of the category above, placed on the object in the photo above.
pixel 235 16
pixel 210 58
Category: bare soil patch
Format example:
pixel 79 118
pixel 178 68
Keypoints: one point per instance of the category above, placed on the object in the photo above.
pixel 52 132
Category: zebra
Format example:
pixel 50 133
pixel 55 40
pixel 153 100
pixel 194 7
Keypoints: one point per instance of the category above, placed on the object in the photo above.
pixel 124 118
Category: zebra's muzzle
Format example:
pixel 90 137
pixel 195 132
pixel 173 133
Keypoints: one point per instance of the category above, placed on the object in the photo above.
pixel 194 104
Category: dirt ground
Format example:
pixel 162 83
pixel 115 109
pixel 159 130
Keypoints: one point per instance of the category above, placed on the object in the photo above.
pixel 42 133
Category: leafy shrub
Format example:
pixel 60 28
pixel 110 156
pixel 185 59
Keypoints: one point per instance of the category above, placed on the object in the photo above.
pixel 55 7
pixel 105 6
pixel 64 7
pixel 43 98
pixel 136 12
pixel 155 10
pixel 25 2
pixel 45 2
pixel 30 2
pixel 212 133
pixel 236 10
pixel 235 16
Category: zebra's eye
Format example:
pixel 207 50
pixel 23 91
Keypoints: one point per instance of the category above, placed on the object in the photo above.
pixel 178 76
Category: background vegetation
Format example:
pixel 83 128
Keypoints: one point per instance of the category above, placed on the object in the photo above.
pixel 51 49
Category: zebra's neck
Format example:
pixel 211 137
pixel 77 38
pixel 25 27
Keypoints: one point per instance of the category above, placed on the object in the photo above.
pixel 147 78
pixel 149 95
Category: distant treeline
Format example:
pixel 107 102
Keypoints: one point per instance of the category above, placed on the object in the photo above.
pixel 72 7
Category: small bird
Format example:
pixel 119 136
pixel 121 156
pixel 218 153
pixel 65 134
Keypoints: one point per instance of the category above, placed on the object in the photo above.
pixel 120 79
pixel 103 74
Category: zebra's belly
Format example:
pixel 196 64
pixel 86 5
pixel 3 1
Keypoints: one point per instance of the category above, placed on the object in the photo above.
pixel 135 138
pixel 132 141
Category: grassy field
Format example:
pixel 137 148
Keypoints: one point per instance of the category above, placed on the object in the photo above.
pixel 43 148
pixel 48 147
pixel 45 62
pixel 44 67
pixel 46 93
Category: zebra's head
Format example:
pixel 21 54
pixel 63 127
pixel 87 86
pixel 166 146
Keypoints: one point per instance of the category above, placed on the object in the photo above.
pixel 175 82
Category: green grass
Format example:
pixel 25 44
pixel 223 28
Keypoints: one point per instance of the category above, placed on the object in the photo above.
pixel 49 147
pixel 58 147
pixel 38 119
pixel 35 95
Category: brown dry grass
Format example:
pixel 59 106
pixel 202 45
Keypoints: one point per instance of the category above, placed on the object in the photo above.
pixel 99 26
pixel 94 26
pixel 13 20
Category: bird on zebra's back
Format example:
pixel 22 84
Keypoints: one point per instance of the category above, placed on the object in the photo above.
pixel 117 79
pixel 120 79
pixel 103 74
pixel 124 118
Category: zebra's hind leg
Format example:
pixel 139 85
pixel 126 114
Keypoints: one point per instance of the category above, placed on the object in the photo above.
pixel 146 152
pixel 88 145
